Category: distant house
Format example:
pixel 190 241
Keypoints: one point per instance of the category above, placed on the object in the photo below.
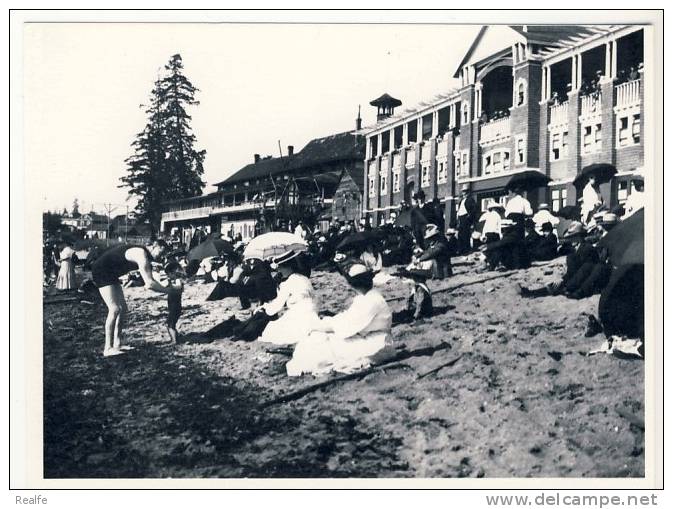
pixel 273 193
pixel 94 225
pixel 347 201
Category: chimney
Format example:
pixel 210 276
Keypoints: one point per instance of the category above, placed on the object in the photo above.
pixel 257 158
pixel 290 150
pixel 358 121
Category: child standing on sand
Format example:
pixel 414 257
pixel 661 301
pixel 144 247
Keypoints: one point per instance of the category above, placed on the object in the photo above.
pixel 173 273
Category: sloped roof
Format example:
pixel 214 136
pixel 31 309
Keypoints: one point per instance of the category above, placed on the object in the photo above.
pixel 386 99
pixel 336 147
pixel 545 35
pixel 551 34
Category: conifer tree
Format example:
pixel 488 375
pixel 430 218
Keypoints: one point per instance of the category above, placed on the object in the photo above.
pixel 165 165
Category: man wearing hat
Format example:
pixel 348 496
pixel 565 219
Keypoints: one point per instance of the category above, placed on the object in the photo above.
pixel 467 211
pixel 437 250
pixel 542 216
pixel 546 247
pixel 584 274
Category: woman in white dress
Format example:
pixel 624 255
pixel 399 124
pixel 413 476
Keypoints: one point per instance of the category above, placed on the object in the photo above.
pixel 66 274
pixel 591 199
pixel 295 296
pixel 346 342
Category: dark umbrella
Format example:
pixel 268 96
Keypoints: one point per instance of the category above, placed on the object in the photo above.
pixel 412 218
pixel 210 247
pixel 603 172
pixel 359 240
pixel 527 180
pixel 625 242
pixel 571 212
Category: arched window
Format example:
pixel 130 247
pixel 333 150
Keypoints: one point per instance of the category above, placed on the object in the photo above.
pixel 520 92
pixel 465 114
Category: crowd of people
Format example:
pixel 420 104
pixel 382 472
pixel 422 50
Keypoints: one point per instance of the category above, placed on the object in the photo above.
pixel 278 290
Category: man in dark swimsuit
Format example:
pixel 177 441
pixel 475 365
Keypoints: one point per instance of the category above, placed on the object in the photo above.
pixel 106 271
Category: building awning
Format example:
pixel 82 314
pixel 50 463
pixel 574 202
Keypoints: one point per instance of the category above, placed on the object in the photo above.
pixel 489 184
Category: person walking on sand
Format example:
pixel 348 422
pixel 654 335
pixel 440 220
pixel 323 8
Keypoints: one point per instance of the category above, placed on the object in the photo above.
pixel 105 273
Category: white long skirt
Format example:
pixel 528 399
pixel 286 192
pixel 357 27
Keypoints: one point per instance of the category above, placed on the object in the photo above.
pixel 322 352
pixel 293 326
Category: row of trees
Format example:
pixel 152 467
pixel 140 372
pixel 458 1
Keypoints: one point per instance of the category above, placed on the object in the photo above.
pixel 165 165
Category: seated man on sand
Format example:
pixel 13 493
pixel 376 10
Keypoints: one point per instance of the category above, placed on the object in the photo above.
pixel 347 341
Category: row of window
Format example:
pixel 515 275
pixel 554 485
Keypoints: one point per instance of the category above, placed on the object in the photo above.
pixel 628 133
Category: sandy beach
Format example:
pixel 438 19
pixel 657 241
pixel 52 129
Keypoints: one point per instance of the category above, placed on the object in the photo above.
pixel 511 393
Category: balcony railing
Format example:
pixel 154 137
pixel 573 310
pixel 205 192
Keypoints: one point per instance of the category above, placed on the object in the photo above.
pixel 590 105
pixel 628 94
pixel 178 215
pixel 495 130
pixel 559 114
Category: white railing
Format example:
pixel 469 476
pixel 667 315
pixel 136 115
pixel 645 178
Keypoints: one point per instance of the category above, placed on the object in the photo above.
pixel 558 114
pixel 628 94
pixel 495 130
pixel 178 215
pixel 590 105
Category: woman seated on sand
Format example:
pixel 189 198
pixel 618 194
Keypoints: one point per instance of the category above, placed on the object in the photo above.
pixel 295 295
pixel 347 341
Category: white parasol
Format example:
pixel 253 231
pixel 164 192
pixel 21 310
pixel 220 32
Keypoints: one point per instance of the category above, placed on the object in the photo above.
pixel 269 245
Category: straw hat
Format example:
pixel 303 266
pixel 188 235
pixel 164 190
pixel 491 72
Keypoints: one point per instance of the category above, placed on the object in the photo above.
pixel 609 218
pixel 543 206
pixel 284 258
pixel 506 223
pixel 430 231
pixel 575 229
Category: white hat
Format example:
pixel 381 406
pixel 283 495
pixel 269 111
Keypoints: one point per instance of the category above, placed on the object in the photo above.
pixel 357 269
pixel 543 206
pixel 430 231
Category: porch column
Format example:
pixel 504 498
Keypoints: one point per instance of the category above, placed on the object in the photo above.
pixel 405 134
pixel 435 124
pixel 614 59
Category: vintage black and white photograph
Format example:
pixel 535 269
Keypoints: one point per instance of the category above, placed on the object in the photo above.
pixel 365 250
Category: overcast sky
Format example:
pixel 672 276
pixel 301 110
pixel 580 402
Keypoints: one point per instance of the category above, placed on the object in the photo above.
pixel 83 84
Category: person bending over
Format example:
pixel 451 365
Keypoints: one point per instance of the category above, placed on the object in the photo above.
pixel 106 271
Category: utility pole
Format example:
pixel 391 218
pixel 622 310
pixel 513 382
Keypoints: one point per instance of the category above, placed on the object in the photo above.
pixel 109 209
pixel 126 231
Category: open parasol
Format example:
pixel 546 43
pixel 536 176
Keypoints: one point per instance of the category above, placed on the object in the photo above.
pixel 359 240
pixel 527 180
pixel 210 247
pixel 411 218
pixel 625 242
pixel 272 244
pixel 603 172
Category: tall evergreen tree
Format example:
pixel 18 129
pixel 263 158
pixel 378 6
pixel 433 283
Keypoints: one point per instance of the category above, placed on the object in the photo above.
pixel 165 164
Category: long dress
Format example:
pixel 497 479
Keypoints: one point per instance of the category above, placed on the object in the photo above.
pixel 590 200
pixel 66 274
pixel 295 295
pixel 358 333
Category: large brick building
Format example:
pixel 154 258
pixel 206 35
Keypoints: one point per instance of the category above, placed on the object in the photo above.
pixel 549 98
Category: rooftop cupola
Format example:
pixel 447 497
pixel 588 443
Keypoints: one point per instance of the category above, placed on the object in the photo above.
pixel 385 106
